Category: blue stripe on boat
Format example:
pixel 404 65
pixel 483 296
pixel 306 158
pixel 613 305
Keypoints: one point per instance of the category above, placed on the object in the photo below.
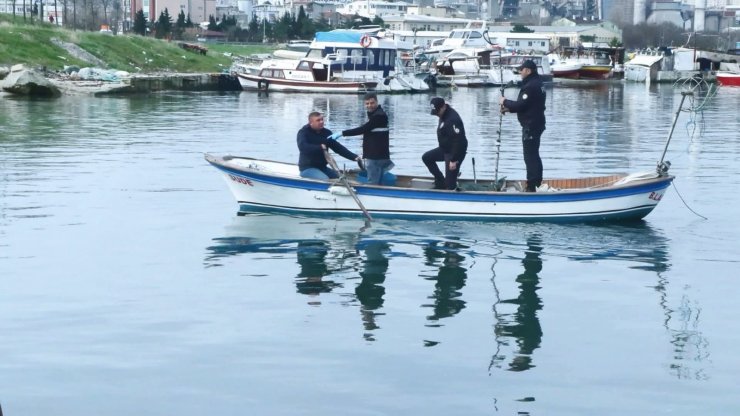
pixel 411 193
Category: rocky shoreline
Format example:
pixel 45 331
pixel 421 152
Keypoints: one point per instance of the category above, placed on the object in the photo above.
pixel 20 80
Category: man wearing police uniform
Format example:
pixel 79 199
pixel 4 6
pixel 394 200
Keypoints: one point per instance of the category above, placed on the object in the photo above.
pixel 453 145
pixel 530 111
pixel 375 140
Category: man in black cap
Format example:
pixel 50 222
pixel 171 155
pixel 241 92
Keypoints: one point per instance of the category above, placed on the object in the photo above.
pixel 530 111
pixel 453 145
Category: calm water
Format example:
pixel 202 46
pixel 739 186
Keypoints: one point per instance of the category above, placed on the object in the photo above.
pixel 128 285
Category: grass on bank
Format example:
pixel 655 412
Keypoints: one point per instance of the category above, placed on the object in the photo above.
pixel 30 43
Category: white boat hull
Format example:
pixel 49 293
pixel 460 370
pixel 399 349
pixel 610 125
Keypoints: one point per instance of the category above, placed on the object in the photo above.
pixel 272 186
pixel 256 82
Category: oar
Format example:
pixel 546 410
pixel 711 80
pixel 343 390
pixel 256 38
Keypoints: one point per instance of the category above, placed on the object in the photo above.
pixel 344 180
pixel 475 178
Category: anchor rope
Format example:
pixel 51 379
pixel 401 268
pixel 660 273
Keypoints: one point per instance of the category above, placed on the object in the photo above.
pixel 685 204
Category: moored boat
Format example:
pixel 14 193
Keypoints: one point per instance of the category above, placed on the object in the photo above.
pixel 305 75
pixel 730 79
pixel 370 56
pixel 729 74
pixel 596 62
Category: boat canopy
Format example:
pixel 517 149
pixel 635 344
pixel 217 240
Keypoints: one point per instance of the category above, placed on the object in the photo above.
pixel 339 35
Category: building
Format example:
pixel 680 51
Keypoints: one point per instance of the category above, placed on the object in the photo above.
pixel 372 8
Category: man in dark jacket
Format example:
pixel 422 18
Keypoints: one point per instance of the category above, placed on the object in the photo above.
pixel 530 111
pixel 313 139
pixel 453 145
pixel 375 140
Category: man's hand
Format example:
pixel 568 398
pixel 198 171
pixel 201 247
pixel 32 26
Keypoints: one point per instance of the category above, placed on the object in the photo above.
pixel 335 136
pixel 501 100
pixel 453 165
pixel 503 109
pixel 323 147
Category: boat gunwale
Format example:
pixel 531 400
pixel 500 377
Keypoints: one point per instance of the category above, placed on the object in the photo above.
pixel 562 195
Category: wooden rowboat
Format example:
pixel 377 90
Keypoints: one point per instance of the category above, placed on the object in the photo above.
pixel 270 186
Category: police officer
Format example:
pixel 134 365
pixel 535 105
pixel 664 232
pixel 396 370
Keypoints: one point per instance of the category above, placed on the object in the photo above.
pixel 453 145
pixel 530 111
pixel 375 140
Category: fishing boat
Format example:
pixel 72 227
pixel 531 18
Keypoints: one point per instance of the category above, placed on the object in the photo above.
pixel 729 74
pixel 272 186
pixel 265 185
pixel 596 62
pixel 305 75
pixel 730 79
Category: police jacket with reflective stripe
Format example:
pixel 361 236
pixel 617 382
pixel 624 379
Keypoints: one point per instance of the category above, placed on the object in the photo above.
pixel 375 137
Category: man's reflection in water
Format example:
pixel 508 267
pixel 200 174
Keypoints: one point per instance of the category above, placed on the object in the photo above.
pixel 523 325
pixel 312 259
pixel 370 291
pixel 450 279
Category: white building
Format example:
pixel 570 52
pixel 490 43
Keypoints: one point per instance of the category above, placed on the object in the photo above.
pixel 372 8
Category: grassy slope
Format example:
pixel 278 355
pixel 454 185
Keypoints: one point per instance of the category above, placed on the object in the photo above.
pixel 31 44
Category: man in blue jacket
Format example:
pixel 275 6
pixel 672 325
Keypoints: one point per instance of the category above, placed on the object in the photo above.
pixel 313 139
pixel 453 145
pixel 530 111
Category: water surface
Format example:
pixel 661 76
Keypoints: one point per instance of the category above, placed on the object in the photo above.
pixel 128 284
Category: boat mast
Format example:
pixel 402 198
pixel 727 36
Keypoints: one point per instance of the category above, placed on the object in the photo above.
pixel 664 166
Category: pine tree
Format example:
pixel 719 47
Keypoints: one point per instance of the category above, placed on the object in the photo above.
pixel 212 25
pixel 164 25
pixel 140 23
pixel 180 25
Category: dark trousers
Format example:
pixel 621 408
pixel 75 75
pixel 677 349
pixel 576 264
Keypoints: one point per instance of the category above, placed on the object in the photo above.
pixel 430 159
pixel 531 146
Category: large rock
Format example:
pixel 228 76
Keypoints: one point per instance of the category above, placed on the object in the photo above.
pixel 4 71
pixel 25 81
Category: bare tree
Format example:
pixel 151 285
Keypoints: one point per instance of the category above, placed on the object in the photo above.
pixel 105 5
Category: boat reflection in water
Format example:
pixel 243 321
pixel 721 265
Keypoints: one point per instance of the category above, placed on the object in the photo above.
pixel 342 261
pixel 449 280
pixel 522 326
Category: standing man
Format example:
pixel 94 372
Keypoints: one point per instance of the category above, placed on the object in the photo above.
pixel 375 140
pixel 530 111
pixel 453 145
pixel 313 139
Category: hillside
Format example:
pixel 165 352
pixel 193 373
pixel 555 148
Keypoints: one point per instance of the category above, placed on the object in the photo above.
pixel 43 44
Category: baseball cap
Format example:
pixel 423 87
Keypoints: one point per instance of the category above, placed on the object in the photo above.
pixel 436 104
pixel 528 64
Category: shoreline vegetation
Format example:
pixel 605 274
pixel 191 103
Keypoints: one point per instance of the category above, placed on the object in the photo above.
pixel 48 48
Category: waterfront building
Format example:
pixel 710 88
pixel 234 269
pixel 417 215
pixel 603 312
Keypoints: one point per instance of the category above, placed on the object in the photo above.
pixel 372 8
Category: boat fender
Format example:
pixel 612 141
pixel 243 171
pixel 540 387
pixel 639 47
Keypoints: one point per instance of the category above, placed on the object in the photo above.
pixel 339 190
pixel 263 85
pixel 365 41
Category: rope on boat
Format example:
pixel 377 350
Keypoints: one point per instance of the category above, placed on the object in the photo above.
pixel 684 202
pixel 702 93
